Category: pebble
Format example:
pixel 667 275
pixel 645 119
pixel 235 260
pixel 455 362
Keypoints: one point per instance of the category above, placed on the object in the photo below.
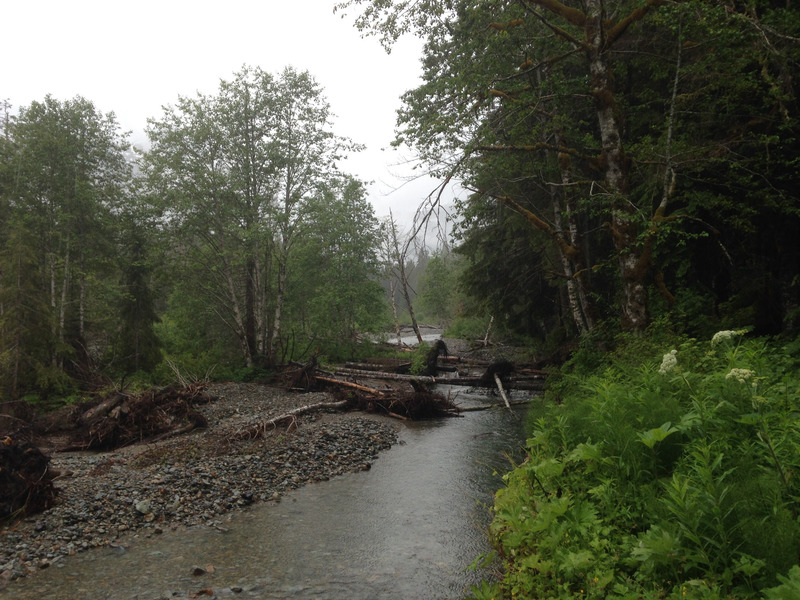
pixel 193 483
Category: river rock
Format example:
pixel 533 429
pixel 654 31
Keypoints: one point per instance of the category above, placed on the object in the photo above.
pixel 192 480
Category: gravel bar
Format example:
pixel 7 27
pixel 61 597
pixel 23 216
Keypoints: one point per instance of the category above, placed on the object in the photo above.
pixel 194 479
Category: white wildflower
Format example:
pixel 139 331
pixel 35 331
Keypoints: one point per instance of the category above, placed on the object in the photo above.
pixel 725 336
pixel 740 375
pixel 669 362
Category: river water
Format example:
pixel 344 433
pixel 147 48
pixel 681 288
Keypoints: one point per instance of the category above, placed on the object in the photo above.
pixel 406 529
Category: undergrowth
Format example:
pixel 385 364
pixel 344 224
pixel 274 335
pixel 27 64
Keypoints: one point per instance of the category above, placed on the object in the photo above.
pixel 666 474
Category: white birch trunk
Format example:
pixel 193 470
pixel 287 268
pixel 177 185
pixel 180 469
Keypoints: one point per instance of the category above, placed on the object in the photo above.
pixel 279 298
pixel 237 316
pixel 624 228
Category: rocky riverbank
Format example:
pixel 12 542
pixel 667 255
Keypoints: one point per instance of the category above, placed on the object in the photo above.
pixel 192 480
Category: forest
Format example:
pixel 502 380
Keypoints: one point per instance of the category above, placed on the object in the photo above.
pixel 631 176
pixel 232 244
pixel 633 210
pixel 633 169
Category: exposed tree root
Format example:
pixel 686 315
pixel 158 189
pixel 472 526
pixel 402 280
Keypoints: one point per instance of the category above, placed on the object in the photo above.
pixel 26 482
pixel 122 419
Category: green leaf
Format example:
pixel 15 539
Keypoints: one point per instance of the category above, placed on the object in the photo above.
pixel 550 467
pixel 659 434
pixel 789 588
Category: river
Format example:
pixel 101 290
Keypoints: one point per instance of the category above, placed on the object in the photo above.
pixel 406 529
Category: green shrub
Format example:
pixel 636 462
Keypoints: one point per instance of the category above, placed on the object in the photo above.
pixel 667 473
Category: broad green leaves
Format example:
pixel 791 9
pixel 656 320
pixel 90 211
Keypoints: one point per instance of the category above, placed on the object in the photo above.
pixel 609 504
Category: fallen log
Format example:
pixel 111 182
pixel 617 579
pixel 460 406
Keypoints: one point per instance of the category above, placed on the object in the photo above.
pixel 350 384
pixel 499 383
pixel 483 363
pixel 102 409
pixel 382 367
pixel 532 382
pixel 491 406
pixel 260 429
pixel 382 375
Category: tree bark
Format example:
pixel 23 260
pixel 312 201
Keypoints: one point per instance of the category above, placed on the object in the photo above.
pixel 571 268
pixel 62 309
pixel 82 298
pixel 237 315
pixel 623 218
pixel 392 292
pixel 401 259
pixel 250 307
pixel 499 383
pixel 276 322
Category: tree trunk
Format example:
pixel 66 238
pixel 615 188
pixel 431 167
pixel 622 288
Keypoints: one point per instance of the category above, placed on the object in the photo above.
pixel 62 309
pixel 578 263
pixel 82 298
pixel 263 332
pixel 53 323
pixel 401 260
pixel 17 333
pixel 392 291
pixel 250 307
pixel 623 224
pixel 571 268
pixel 279 299
pixel 237 316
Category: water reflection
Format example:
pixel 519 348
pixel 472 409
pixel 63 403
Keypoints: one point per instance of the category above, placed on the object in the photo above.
pixel 405 529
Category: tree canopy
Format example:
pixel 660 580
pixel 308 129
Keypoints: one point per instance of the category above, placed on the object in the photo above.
pixel 233 240
pixel 233 174
pixel 639 139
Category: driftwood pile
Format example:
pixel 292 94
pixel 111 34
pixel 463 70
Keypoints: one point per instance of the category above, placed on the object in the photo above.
pixel 413 402
pixel 26 483
pixel 409 397
pixel 122 419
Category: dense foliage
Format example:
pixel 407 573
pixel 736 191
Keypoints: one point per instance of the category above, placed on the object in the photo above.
pixel 659 477
pixel 232 243
pixel 627 159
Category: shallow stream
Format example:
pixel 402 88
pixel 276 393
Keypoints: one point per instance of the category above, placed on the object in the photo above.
pixel 406 529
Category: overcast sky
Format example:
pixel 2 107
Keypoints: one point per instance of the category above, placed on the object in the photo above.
pixel 134 57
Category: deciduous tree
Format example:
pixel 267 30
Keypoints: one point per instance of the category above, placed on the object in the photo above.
pixel 581 117
pixel 234 171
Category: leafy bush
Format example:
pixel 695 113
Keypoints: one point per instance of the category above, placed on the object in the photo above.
pixel 663 476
